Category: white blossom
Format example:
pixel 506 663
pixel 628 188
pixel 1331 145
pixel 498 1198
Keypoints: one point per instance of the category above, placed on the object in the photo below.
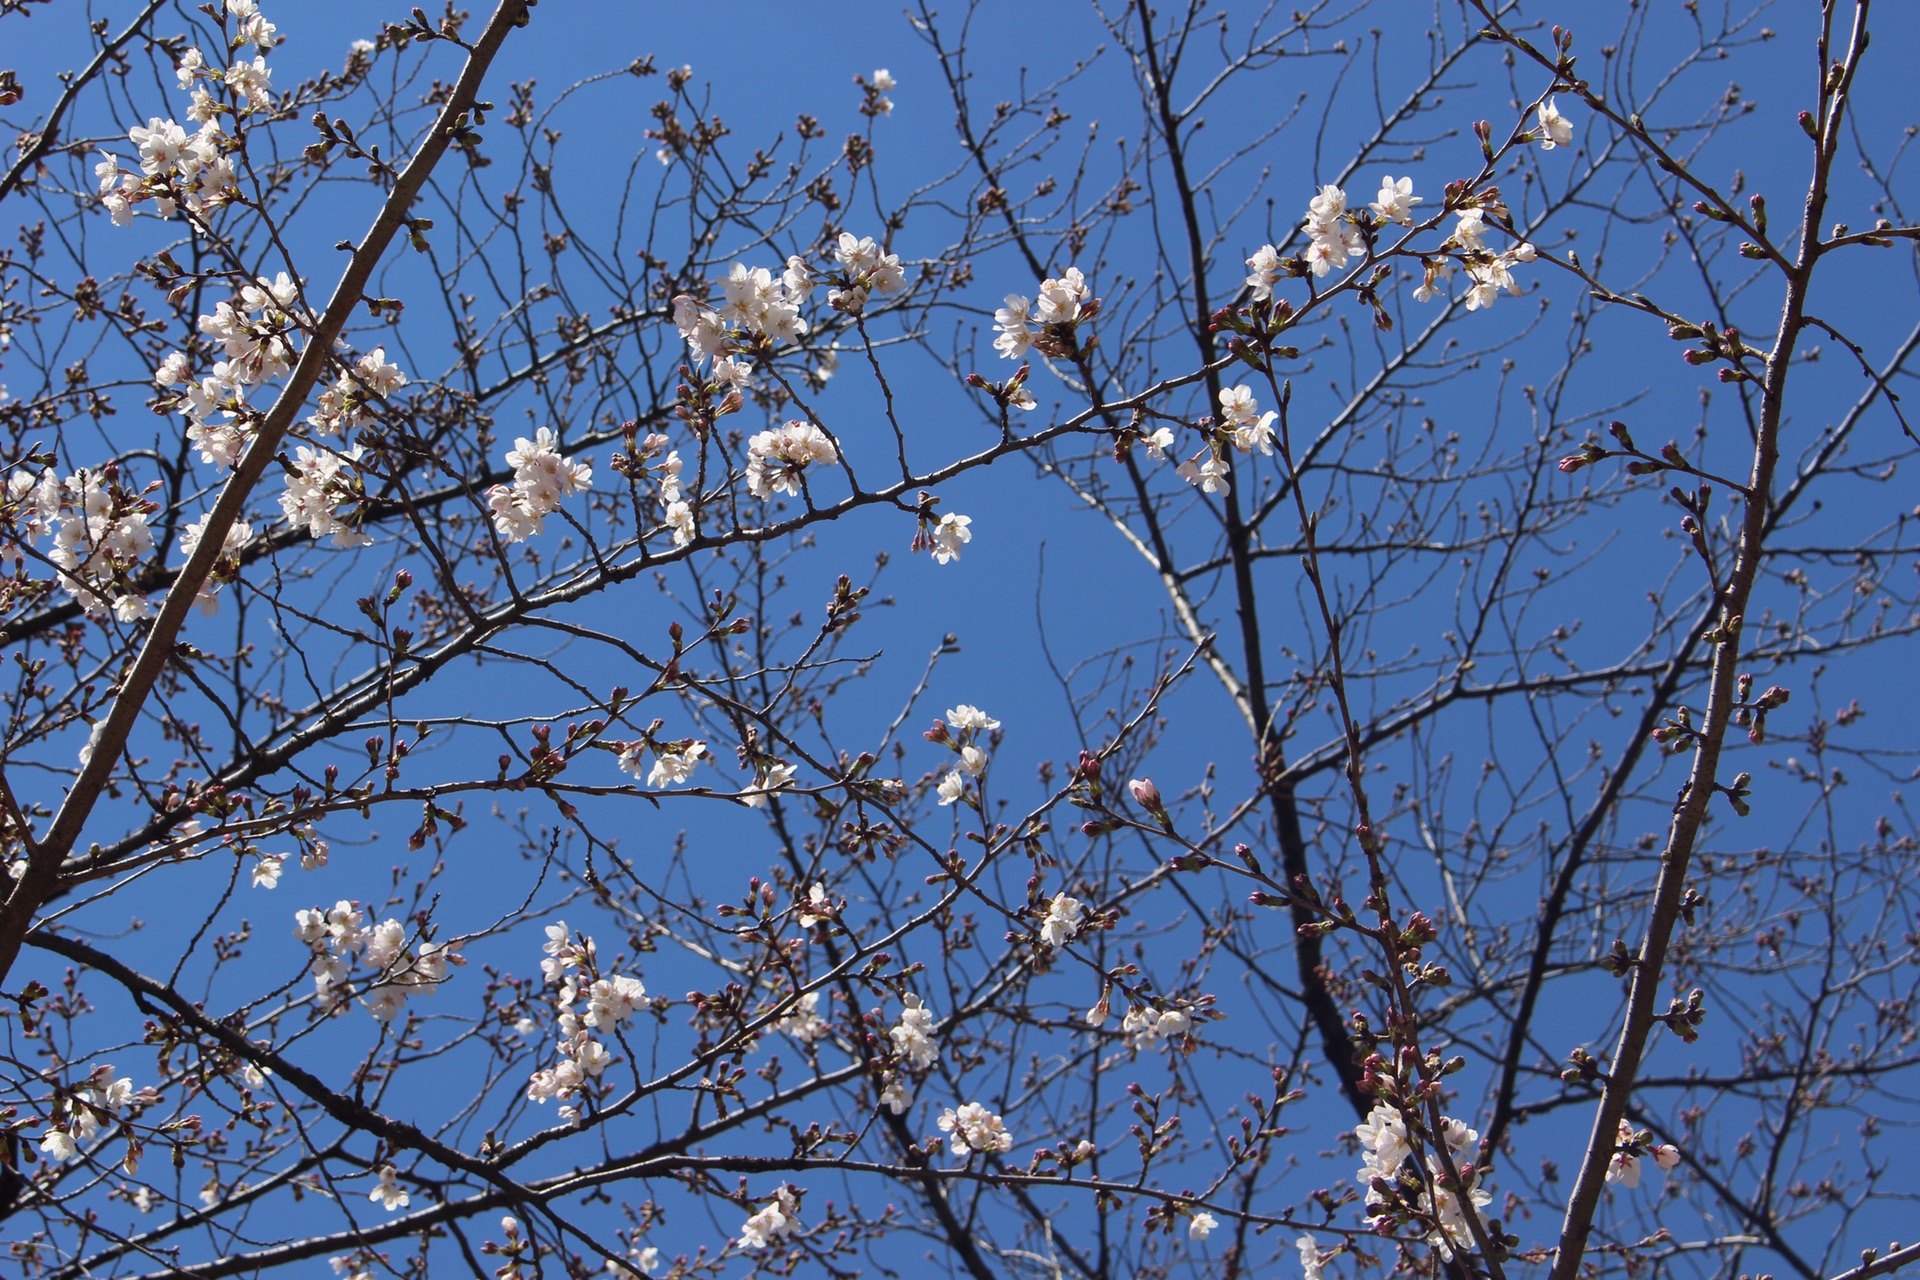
pixel 949 536
pixel 387 1193
pixel 973 1128
pixel 913 1036
pixel 1395 201
pixel 771 1222
pixel 1266 272
pixel 1062 921
pixel 816 908
pixel 1555 129
pixel 776 459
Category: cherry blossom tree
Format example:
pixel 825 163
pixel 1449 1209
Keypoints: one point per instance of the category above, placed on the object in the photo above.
pixel 474 801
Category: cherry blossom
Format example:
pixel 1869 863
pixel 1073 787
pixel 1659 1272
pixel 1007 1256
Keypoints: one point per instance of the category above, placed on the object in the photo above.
pixel 1062 921
pixel 1201 1225
pixel 1266 264
pixel 541 478
pixel 771 1222
pixel 803 1021
pixel 817 908
pixel 913 1036
pixel 967 718
pixel 672 762
pixel 1011 322
pixel 1208 473
pixel 1148 1029
pixel 974 1128
pixel 1333 239
pixel 778 777
pixel 776 459
pixel 1310 1264
pixel 321 484
pixel 387 1193
pixel 1555 129
pixel 1395 201
pixel 949 536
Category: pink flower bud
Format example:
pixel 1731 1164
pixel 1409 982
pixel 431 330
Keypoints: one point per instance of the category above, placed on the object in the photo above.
pixel 1145 794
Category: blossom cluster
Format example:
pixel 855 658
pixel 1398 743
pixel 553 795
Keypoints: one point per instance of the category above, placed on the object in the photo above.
pixel 585 1002
pixel 802 1020
pixel 541 478
pixel 345 405
pixel 1624 1168
pixel 1062 921
pixel 1046 322
pixel 971 1127
pixel 961 733
pixel 1337 236
pixel 99 530
pixel 339 934
pixel 387 1192
pixel 915 1049
pixel 254 333
pixel 780 1218
pixel 196 171
pixel 1146 1028
pixel 758 306
pixel 1386 1145
pixel 673 762
pixel 776 459
pixel 79 1115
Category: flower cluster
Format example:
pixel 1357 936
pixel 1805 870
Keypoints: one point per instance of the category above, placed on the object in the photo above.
pixel 609 1002
pixel 778 776
pixel 99 530
pixel 678 512
pixel 974 1128
pixel 1062 921
pixel 196 171
pixel 1385 1146
pixel 345 405
pixel 960 732
pixel 802 1020
pixel 78 1115
pixel 1624 1168
pixel 673 762
pixel 915 1049
pixel 780 1218
pixel 541 478
pixel 777 459
pixel 1147 1029
pixel 949 536
pixel 337 935
pixel 865 269
pixel 324 491
pixel 758 306
pixel 1243 428
pixel 913 1036
pixel 1488 273
pixel 225 569
pixel 1332 237
pixel 1047 322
